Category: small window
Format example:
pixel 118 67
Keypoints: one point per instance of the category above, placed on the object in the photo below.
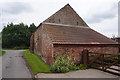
pixel 77 23
pixel 59 20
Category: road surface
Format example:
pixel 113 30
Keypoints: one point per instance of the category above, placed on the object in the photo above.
pixel 88 73
pixel 14 66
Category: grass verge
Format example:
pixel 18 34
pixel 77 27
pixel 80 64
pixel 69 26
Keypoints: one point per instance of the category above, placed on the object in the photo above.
pixel 2 53
pixel 36 64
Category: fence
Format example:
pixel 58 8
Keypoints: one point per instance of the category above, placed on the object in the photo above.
pixel 105 62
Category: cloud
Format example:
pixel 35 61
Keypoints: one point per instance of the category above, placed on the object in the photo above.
pixel 119 19
pixel 100 16
pixel 15 7
pixel 107 27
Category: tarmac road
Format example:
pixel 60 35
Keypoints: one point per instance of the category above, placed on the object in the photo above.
pixel 14 66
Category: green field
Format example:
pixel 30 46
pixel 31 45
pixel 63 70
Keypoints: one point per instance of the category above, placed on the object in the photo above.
pixel 36 64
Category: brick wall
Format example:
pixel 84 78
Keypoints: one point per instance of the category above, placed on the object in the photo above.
pixel 42 44
pixel 76 51
pixel 66 16
pixel 31 44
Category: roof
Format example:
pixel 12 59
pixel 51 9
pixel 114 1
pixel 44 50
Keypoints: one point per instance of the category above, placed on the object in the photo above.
pixel 60 34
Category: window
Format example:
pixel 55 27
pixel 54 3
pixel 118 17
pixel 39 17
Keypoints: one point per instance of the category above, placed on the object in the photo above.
pixel 59 20
pixel 77 23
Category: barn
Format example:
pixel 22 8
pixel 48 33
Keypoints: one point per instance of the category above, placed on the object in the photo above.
pixel 65 32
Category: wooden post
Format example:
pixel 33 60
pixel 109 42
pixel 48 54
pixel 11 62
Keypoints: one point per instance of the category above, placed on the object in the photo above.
pixel 102 61
pixel 85 57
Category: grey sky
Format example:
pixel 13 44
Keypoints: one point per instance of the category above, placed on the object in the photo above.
pixel 100 15
pixel 14 8
pixel 110 13
pixel 119 19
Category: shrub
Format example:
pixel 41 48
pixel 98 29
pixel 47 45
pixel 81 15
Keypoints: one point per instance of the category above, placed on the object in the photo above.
pixel 62 64
pixel 81 67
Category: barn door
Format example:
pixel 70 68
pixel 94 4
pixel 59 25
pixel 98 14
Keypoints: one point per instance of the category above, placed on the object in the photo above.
pixel 85 57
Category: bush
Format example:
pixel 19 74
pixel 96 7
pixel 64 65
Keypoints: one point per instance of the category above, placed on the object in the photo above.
pixel 81 67
pixel 64 64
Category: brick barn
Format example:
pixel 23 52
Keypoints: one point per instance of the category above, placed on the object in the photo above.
pixel 65 32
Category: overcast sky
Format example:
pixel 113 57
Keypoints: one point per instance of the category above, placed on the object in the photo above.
pixel 100 15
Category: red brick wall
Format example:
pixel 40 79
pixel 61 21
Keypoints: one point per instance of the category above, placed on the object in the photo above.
pixel 75 51
pixel 66 16
pixel 46 48
pixel 31 44
pixel 42 44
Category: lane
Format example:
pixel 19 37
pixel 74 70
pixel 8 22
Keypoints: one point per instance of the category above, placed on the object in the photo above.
pixel 13 65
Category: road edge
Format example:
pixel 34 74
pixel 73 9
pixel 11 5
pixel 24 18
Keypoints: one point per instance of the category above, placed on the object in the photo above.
pixel 33 76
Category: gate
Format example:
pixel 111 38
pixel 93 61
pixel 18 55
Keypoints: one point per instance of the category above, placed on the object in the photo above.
pixel 106 62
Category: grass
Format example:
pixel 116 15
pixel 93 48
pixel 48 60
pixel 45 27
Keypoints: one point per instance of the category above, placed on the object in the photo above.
pixel 36 64
pixel 2 53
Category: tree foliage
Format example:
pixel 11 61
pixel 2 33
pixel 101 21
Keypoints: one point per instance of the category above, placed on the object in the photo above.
pixel 17 35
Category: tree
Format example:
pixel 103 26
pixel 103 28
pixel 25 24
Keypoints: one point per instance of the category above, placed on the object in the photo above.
pixel 17 35
pixel 32 28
